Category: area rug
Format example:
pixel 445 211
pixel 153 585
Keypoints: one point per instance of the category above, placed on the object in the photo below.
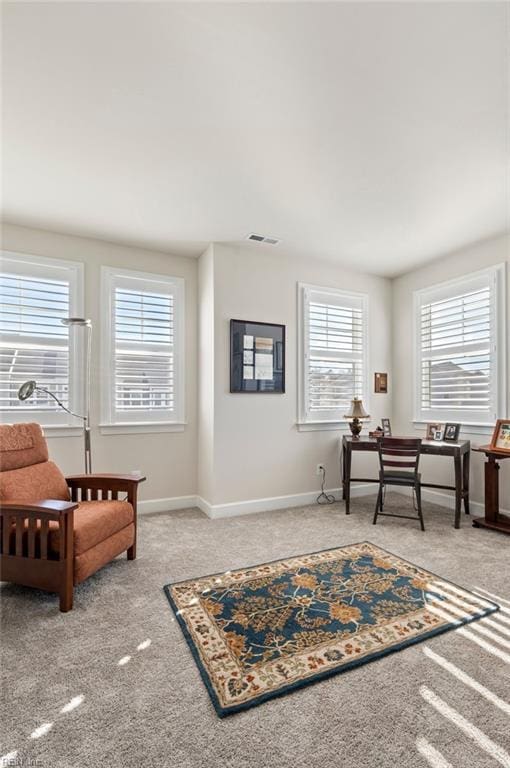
pixel 263 631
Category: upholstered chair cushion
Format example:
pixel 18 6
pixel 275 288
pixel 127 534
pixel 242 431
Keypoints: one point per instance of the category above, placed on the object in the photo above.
pixel 30 484
pixel 21 445
pixel 94 521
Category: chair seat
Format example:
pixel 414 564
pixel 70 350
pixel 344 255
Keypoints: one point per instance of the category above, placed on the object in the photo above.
pixel 399 477
pixel 94 522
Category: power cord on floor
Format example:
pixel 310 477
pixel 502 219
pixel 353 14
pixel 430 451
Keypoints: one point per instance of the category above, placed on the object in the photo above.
pixel 323 497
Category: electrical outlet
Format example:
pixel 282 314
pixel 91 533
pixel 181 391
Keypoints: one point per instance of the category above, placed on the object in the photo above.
pixel 319 469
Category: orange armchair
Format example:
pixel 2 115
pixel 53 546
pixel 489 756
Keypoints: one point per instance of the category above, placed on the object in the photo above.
pixel 55 532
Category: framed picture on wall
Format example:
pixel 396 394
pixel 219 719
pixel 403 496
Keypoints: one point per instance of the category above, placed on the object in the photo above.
pixel 381 383
pixel 257 357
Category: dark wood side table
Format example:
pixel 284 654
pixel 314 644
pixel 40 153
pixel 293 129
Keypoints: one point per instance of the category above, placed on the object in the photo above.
pixel 493 518
pixel 460 453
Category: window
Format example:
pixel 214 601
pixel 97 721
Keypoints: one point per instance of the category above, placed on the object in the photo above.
pixel 333 352
pixel 460 366
pixel 35 295
pixel 143 348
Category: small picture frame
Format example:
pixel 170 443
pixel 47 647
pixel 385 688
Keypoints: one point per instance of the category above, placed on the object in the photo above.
pixel 381 383
pixel 451 433
pixel 386 427
pixel 501 436
pixel 432 428
pixel 438 435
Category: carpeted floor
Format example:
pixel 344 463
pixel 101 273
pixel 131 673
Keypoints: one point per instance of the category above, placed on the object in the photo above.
pixel 152 709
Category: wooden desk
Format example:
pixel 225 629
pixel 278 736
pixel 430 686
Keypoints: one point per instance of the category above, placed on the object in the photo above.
pixel 493 517
pixel 460 452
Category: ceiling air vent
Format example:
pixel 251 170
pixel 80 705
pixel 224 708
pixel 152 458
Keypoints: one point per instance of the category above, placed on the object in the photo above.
pixel 262 239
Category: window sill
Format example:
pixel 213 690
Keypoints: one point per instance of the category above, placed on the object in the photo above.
pixel 138 427
pixel 469 428
pixel 61 430
pixel 324 426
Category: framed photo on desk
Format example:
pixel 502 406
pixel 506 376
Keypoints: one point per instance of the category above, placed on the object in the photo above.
pixel 501 436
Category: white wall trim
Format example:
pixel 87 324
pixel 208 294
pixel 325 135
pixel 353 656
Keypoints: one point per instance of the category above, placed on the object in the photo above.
pixel 477 508
pixel 250 506
pixel 167 505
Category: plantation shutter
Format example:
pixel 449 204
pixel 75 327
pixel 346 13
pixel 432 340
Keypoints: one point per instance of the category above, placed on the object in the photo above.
pixel 34 344
pixel 457 376
pixel 143 347
pixel 144 356
pixel 335 340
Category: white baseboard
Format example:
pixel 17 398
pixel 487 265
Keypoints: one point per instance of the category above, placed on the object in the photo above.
pixel 167 505
pixel 446 500
pixel 235 508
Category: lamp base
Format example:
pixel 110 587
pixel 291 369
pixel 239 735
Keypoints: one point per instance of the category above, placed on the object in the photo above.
pixel 355 426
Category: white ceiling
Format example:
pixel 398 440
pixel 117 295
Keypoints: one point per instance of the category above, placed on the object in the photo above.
pixel 374 134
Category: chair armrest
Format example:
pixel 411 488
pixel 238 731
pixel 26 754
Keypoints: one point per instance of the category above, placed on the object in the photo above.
pixel 51 509
pixel 95 487
pixel 103 478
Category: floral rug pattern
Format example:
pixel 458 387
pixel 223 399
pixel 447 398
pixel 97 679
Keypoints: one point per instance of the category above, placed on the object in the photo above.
pixel 262 631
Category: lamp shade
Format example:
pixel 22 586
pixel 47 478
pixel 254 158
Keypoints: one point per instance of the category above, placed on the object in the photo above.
pixel 356 411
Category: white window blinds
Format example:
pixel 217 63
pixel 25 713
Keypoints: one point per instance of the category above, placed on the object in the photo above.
pixel 35 296
pixel 458 367
pixel 145 355
pixel 334 352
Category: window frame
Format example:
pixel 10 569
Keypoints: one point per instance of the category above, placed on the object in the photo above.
pixel 54 421
pixel 306 421
pixel 496 279
pixel 146 421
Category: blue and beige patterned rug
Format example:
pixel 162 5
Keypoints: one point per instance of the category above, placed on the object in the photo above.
pixel 263 631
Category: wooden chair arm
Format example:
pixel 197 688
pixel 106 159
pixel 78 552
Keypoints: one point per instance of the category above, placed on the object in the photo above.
pixel 31 523
pixel 104 481
pixel 49 509
pixel 102 486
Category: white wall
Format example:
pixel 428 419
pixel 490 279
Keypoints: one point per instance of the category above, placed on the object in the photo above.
pixel 168 459
pixel 258 451
pixel 248 446
pixel 458 264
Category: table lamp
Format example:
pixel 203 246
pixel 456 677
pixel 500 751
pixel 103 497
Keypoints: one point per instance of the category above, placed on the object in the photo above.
pixel 356 412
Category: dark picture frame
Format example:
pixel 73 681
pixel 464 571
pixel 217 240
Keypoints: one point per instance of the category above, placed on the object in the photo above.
pixel 451 433
pixel 386 427
pixel 257 357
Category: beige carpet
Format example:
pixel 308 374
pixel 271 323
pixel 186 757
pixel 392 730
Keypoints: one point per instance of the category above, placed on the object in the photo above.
pixel 153 710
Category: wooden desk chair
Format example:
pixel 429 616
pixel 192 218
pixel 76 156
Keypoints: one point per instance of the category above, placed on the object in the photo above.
pixel 398 459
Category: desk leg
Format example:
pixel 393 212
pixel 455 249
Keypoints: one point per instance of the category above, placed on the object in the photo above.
pixel 465 480
pixel 347 478
pixel 458 489
pixel 491 490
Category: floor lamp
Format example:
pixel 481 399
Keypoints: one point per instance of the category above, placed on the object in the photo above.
pixel 29 387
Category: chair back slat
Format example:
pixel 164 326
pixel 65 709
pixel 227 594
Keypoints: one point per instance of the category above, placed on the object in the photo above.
pixel 399 453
